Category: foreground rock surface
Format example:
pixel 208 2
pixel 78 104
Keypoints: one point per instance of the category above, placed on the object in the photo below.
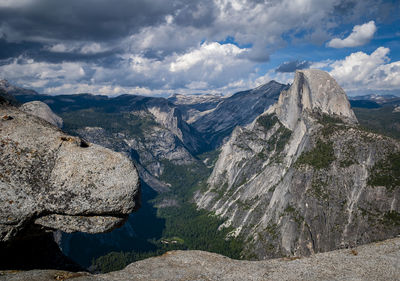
pixel 376 261
pixel 49 180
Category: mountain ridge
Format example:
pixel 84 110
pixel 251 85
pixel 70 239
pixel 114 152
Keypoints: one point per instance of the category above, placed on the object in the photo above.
pixel 237 110
pixel 289 182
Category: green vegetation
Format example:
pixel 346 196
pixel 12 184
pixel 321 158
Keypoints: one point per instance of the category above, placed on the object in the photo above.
pixel 330 124
pixel 278 140
pixel 210 157
pixel 220 191
pixel 349 154
pixel 262 155
pixel 272 230
pixel 294 214
pixel 173 240
pixel 318 189
pixel 391 218
pixel 267 121
pixel 199 230
pixel 113 122
pixel 328 129
pixel 118 260
pixel 320 157
pixel 244 205
pixel 284 136
pixel 379 120
pixel 184 179
pixel 329 119
pixel 386 172
pixel 188 228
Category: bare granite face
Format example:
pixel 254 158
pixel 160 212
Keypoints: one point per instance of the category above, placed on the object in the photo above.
pixel 50 180
pixel 42 110
pixel 373 262
pixel 300 178
pixel 312 89
pixel 239 109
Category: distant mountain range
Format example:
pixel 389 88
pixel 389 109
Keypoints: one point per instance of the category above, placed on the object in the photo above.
pixel 374 101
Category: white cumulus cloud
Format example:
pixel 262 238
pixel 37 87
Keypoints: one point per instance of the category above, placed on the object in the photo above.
pixel 361 35
pixel 360 71
pixel 214 54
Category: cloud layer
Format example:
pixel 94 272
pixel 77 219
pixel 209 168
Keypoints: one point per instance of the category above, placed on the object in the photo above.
pixel 292 66
pixel 165 46
pixel 360 71
pixel 360 36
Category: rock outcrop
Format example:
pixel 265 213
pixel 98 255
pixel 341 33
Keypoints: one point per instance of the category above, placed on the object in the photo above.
pixel 373 262
pixel 42 110
pixel 304 177
pixel 50 180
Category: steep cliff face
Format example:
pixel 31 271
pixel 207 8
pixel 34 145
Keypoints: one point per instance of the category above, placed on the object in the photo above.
pixel 312 91
pixel 239 109
pixel 50 180
pixel 304 177
pixel 170 117
pixel 195 106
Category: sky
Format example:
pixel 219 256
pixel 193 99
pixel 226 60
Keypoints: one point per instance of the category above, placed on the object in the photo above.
pixel 161 47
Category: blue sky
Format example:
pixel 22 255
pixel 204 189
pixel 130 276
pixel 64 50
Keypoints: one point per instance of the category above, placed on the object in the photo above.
pixel 160 47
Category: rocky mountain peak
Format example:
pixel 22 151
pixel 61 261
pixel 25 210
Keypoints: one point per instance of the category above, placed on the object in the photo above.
pixel 313 91
pixel 303 177
pixel 268 85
